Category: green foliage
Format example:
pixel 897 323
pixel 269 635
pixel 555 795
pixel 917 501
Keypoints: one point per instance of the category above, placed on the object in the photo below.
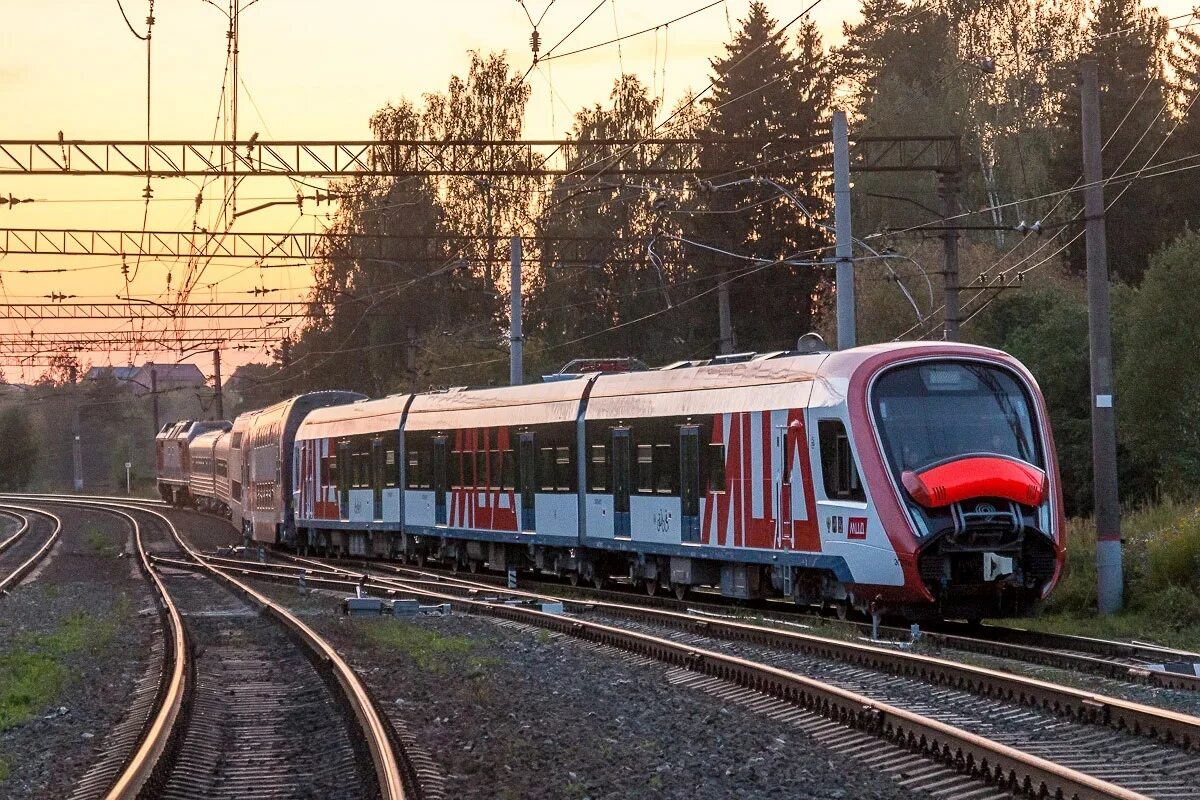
pixel 430 651
pixel 1159 377
pixel 33 672
pixel 19 452
pixel 1129 45
pixel 1162 577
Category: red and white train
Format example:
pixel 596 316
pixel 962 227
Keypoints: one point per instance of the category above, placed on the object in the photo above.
pixel 914 478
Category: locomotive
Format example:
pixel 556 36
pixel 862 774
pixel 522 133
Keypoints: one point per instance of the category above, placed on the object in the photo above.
pixel 915 478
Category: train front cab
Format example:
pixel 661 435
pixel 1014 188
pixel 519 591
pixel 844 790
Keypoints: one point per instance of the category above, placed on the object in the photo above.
pixel 961 440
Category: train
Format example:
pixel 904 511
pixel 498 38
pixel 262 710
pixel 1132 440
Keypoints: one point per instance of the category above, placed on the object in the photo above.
pixel 915 479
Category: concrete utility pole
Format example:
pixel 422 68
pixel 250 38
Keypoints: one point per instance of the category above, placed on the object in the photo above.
pixel 218 392
pixel 844 247
pixel 516 365
pixel 948 189
pixel 725 343
pixel 154 397
pixel 76 451
pixel 1109 577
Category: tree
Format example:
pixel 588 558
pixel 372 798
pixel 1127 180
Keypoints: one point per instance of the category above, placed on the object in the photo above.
pixel 380 317
pixel 19 454
pixel 1128 43
pixel 612 258
pixel 1158 381
pixel 764 89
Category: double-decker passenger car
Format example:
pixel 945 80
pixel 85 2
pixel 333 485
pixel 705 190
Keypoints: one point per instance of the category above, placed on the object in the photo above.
pixel 173 458
pixel 913 477
pixel 263 451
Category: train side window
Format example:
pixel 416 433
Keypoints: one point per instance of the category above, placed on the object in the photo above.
pixel 481 469
pixel 716 467
pixel 666 469
pixel 546 468
pixel 391 469
pixel 564 476
pixel 508 469
pixel 456 469
pixel 236 443
pixel 838 470
pixel 645 468
pixel 598 468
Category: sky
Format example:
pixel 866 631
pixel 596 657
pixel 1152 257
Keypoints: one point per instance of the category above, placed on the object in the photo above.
pixel 310 69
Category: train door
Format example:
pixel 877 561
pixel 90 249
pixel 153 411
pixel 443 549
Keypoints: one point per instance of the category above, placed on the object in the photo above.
pixel 689 482
pixel 377 477
pixel 439 480
pixel 621 468
pixel 343 478
pixel 779 486
pixel 528 482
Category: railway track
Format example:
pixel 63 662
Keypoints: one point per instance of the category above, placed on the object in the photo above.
pixel 247 701
pixel 1135 662
pixel 828 708
pixel 20 553
pixel 1120 661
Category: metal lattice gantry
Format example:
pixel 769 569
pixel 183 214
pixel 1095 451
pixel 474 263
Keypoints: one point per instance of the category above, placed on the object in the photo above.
pixel 415 157
pixel 41 343
pixel 141 310
pixel 276 246
pixel 397 158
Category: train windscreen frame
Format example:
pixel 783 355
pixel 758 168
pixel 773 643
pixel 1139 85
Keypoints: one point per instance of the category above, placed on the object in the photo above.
pixel 933 411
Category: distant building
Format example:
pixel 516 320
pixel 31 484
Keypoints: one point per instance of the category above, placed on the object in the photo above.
pixel 170 377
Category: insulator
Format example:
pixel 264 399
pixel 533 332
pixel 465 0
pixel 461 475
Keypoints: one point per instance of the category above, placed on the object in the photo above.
pixel 535 41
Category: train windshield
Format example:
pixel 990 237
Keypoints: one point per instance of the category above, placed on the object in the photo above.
pixel 934 411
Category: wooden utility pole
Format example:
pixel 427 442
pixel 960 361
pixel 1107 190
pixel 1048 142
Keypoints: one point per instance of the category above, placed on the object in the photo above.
pixel 1109 576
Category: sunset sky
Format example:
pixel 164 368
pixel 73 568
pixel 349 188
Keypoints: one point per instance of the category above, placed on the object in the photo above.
pixel 311 69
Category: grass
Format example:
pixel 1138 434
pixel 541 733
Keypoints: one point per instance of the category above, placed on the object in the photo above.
pixel 430 650
pixel 1162 579
pixel 101 545
pixel 34 671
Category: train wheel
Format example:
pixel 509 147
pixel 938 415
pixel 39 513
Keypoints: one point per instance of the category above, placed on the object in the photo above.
pixel 651 586
pixel 598 581
pixel 573 577
pixel 680 589
pixel 473 566
pixel 419 560
pixel 842 609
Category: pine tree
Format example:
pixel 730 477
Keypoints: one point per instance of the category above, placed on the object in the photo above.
pixel 1127 42
pixel 765 90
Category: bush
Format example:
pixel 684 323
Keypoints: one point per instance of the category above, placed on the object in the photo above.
pixel 1162 572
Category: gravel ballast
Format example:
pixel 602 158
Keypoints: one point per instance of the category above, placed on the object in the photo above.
pixel 74 640
pixel 505 711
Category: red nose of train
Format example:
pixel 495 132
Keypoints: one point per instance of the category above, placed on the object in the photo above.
pixel 976 476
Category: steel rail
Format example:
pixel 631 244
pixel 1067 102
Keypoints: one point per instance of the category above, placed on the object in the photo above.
pixel 1052 649
pixel 22 570
pixel 967 752
pixel 24 526
pixel 374 730
pixel 158 735
pixel 1169 726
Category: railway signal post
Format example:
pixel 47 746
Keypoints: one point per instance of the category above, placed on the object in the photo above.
pixel 1109 576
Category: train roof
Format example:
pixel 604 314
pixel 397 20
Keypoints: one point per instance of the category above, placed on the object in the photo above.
pixel 776 380
pixel 209 438
pixel 187 429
